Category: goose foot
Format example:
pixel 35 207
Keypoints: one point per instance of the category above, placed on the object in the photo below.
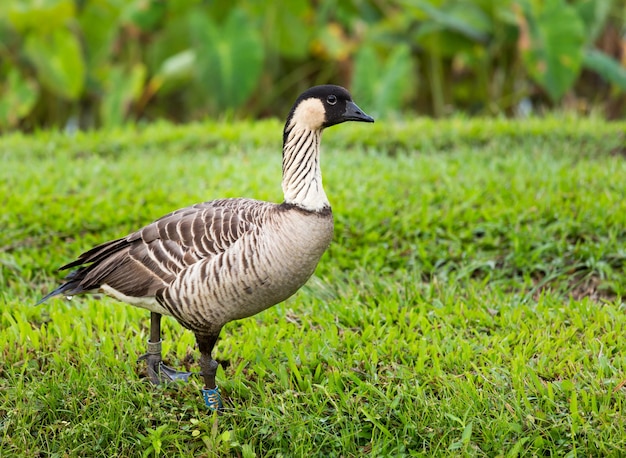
pixel 171 375
pixel 158 372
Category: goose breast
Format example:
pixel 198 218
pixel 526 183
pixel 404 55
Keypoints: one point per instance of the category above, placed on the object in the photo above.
pixel 263 267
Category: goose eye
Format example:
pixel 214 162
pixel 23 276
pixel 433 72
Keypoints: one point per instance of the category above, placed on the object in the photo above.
pixel 331 99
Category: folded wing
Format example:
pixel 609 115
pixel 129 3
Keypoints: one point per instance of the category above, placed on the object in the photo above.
pixel 147 261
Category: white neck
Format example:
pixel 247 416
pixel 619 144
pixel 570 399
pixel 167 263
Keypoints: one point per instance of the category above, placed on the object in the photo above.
pixel 302 177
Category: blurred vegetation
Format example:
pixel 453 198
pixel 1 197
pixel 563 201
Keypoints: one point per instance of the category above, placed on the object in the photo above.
pixel 89 63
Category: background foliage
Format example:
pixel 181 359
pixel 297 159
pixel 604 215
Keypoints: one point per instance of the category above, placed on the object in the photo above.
pixel 88 63
pixel 470 305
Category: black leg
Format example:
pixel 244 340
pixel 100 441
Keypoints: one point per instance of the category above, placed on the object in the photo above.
pixel 153 356
pixel 155 327
pixel 157 371
pixel 209 367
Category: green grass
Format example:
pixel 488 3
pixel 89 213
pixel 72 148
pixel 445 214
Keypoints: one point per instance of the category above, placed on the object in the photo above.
pixel 471 302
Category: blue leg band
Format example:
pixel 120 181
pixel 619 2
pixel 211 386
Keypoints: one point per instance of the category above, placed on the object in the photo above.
pixel 212 398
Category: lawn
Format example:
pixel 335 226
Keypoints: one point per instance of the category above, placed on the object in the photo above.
pixel 470 304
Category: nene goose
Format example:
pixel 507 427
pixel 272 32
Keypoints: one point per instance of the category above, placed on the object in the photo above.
pixel 227 259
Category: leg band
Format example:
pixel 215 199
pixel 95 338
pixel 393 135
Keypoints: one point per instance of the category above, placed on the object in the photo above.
pixel 212 398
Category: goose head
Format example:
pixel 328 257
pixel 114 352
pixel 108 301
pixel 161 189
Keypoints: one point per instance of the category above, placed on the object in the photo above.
pixel 314 110
pixel 324 106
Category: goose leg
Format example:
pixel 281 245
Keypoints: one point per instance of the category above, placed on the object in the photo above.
pixel 208 365
pixel 157 371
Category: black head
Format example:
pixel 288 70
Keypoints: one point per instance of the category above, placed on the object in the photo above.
pixel 324 106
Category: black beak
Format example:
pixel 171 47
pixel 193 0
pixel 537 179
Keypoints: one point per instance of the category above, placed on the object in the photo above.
pixel 354 113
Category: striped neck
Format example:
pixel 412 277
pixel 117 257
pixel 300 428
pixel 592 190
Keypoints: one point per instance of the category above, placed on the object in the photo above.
pixel 302 176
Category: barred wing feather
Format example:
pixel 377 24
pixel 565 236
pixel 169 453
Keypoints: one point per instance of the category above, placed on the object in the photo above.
pixel 148 260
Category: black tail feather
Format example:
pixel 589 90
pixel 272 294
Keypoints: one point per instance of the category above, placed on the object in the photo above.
pixel 72 285
pixel 70 288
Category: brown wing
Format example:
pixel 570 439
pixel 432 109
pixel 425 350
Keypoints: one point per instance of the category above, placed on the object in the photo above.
pixel 148 260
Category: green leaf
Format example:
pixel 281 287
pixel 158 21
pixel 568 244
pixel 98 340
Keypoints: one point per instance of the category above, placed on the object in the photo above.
pixel 17 98
pixel 516 450
pixel 452 28
pixel 174 72
pixel 58 60
pixel 605 66
pixel 287 26
pixel 40 15
pixel 229 57
pixel 122 88
pixel 145 14
pixel 365 75
pixel 467 20
pixel 594 14
pixel 331 43
pixel 382 84
pixel 169 40
pixel 99 26
pixel 292 32
pixel 178 66
pixel 552 45
pixel 467 433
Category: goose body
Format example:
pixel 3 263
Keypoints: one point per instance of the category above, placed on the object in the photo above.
pixel 210 263
pixel 227 259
